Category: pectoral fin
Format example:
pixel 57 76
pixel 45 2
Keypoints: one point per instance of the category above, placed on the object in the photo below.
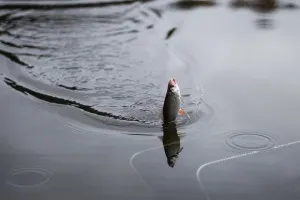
pixel 181 112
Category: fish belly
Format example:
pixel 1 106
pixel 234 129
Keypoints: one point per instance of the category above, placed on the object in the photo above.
pixel 171 107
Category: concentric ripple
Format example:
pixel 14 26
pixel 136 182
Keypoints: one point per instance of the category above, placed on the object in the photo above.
pixel 250 141
pixel 93 59
pixel 29 177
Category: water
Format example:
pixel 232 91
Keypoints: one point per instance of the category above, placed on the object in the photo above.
pixel 100 59
pixel 83 85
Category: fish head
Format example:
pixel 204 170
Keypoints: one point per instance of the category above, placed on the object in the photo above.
pixel 172 83
pixel 173 86
pixel 172 161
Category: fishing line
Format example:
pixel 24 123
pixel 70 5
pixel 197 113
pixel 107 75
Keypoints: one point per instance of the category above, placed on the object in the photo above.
pixel 135 170
pixel 150 149
pixel 140 152
pixel 233 158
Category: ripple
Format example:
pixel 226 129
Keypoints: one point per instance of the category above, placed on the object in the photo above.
pixel 29 177
pixel 48 5
pixel 142 116
pixel 57 100
pixel 264 23
pixel 262 6
pixel 144 127
pixel 97 62
pixel 250 141
pixel 170 33
pixel 76 47
pixel 149 108
pixel 14 58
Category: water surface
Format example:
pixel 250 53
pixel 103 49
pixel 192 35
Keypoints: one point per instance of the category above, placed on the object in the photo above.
pixel 83 84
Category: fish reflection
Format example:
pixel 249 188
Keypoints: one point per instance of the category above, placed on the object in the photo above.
pixel 188 4
pixel 264 23
pixel 263 6
pixel 171 142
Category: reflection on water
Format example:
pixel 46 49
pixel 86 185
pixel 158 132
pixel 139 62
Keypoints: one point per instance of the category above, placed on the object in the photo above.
pixel 264 6
pixel 170 33
pixel 102 68
pixel 14 58
pixel 46 5
pixel 190 4
pixel 99 55
pixel 56 100
pixel 171 142
pixel 264 23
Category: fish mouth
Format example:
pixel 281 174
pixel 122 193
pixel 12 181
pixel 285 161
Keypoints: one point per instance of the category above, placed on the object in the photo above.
pixel 172 83
pixel 172 160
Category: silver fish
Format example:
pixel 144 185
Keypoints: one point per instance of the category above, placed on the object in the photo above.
pixel 172 102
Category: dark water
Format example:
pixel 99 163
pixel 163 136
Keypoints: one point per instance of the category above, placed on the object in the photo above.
pixel 83 84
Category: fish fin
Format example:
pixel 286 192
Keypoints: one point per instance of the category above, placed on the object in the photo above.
pixel 181 112
pixel 180 150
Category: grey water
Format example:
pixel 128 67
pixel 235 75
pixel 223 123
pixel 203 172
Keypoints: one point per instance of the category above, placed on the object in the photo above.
pixel 83 85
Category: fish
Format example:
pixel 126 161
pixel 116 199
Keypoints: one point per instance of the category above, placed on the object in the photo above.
pixel 171 141
pixel 172 103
